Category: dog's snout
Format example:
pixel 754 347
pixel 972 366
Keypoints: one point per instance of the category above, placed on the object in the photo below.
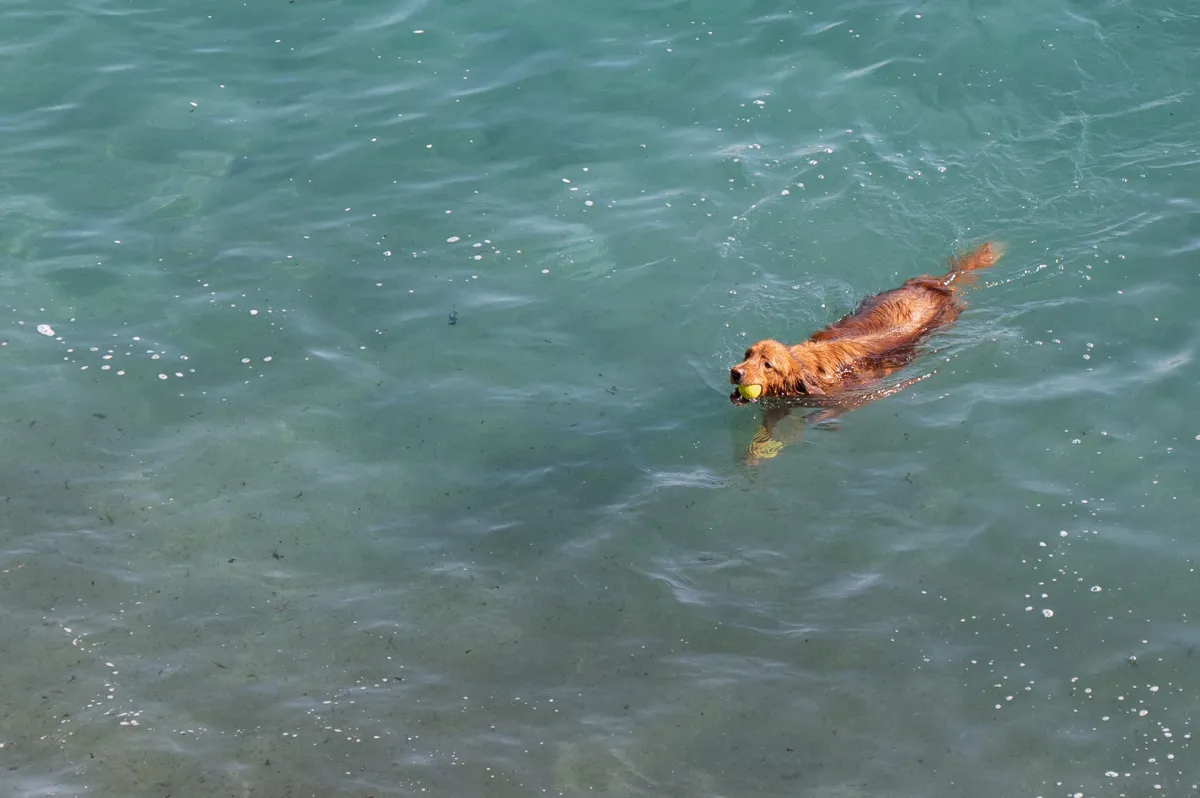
pixel 735 375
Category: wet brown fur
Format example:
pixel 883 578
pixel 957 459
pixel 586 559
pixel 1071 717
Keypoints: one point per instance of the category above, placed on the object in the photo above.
pixel 857 352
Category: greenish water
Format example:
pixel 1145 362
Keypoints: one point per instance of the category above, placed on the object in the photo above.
pixel 272 526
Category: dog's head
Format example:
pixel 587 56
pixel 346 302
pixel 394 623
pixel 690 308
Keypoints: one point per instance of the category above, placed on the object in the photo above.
pixel 771 369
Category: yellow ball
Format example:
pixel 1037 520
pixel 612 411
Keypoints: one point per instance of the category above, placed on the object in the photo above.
pixel 750 391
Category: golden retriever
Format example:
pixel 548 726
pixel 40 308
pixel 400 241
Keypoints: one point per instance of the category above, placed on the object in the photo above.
pixel 843 365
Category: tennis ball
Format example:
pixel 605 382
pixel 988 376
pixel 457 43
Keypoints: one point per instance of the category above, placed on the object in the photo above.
pixel 750 391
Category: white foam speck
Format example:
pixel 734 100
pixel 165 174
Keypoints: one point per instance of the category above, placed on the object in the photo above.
pixel 455 239
pixel 46 329
pixel 1048 613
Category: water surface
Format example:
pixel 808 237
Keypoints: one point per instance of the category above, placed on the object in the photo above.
pixel 274 526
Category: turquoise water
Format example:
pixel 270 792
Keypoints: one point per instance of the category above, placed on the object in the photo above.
pixel 273 526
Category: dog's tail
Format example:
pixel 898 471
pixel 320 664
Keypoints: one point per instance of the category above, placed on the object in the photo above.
pixel 963 264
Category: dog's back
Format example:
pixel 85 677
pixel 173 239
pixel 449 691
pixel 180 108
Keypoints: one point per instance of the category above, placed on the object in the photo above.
pixel 913 310
pixel 882 335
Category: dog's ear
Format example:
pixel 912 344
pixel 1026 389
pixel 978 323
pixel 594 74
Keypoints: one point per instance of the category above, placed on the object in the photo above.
pixel 810 387
pixel 807 380
pixel 802 381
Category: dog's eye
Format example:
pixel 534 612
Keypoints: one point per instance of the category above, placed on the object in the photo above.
pixel 768 365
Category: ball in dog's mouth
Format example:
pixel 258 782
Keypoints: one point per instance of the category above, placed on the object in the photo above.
pixel 750 392
pixel 745 394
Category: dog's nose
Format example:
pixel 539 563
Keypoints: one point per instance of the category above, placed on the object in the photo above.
pixel 735 376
